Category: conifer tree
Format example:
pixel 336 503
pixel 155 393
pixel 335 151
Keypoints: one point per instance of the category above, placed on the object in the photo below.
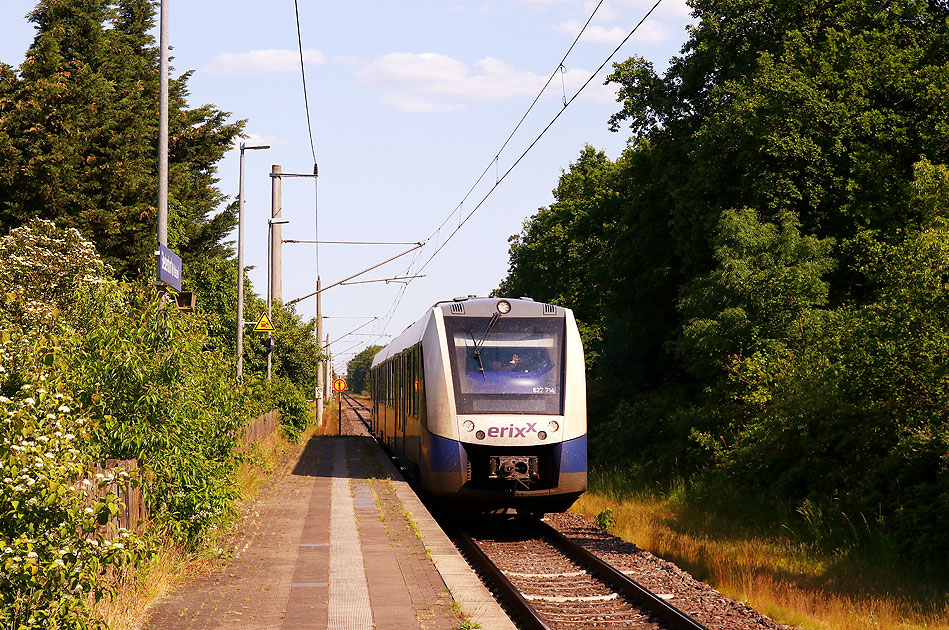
pixel 79 129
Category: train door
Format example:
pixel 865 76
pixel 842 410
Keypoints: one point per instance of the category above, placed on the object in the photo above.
pixel 373 409
pixel 390 403
pixel 400 414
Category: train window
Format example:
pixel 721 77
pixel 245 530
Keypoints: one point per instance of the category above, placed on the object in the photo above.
pixel 514 366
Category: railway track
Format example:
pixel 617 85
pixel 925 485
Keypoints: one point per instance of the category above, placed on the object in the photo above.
pixel 549 582
pixel 357 405
pixel 360 409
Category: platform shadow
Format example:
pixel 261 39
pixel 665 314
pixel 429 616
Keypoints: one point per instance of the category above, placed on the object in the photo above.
pixel 323 456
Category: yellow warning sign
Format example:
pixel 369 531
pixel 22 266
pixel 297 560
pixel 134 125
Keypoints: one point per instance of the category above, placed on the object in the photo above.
pixel 339 385
pixel 264 325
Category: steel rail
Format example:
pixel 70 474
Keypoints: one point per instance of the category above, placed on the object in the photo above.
pixel 350 399
pixel 527 615
pixel 665 612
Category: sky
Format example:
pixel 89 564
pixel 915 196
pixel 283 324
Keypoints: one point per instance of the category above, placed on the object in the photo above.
pixel 409 102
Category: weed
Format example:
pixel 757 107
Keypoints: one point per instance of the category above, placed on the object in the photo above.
pixel 464 619
pixel 605 519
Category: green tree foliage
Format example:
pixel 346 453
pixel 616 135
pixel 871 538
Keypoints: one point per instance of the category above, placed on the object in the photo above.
pixel 357 369
pixel 79 129
pixel 149 379
pixel 858 411
pixel 763 266
pixel 297 353
pixel 562 247
pixel 766 279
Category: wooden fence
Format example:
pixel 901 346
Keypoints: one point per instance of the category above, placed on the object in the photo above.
pixel 134 516
pixel 261 428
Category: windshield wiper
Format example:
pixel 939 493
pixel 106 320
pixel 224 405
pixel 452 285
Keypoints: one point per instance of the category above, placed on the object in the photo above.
pixel 484 337
pixel 477 354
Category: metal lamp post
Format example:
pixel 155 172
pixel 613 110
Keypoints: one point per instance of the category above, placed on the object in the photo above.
pixel 270 223
pixel 240 263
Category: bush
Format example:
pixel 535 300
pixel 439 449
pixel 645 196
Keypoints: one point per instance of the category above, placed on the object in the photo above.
pixel 52 549
pixel 293 405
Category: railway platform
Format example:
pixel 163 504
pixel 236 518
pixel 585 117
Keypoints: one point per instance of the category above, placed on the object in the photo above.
pixel 337 541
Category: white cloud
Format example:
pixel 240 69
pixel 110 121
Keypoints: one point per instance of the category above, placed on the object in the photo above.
pixel 604 15
pixel 257 139
pixel 592 34
pixel 422 75
pixel 415 103
pixel 263 61
pixel 650 32
pixel 431 82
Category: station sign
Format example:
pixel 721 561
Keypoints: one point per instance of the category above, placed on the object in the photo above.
pixel 169 267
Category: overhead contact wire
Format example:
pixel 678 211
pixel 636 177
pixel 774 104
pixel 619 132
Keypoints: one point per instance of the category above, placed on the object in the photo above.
pixel 542 133
pixel 306 100
pixel 500 179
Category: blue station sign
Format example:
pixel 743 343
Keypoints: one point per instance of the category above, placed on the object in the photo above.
pixel 169 267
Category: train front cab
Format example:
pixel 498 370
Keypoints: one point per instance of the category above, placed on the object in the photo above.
pixel 508 429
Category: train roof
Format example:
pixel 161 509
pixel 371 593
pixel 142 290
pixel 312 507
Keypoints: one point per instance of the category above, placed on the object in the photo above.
pixel 470 306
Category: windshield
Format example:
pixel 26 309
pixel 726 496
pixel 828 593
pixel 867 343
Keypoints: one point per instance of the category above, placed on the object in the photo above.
pixel 514 367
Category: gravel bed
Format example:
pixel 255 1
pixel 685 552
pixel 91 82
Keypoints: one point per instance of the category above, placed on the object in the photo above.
pixel 562 592
pixel 695 598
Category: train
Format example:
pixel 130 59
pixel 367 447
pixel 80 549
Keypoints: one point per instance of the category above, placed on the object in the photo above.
pixel 482 403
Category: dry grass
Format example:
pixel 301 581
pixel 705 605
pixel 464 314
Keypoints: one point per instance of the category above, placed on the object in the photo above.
pixel 783 578
pixel 126 611
pixel 330 424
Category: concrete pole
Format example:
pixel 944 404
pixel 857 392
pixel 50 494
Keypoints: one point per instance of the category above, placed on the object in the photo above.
pixel 240 273
pixel 269 294
pixel 318 393
pixel 276 236
pixel 163 128
pixel 326 367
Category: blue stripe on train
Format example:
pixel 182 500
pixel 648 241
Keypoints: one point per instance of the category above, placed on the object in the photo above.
pixel 444 455
pixel 573 455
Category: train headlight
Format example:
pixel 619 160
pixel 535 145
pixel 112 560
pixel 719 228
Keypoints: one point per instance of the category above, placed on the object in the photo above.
pixel 504 307
pixel 480 435
pixel 468 425
pixel 553 425
pixel 542 435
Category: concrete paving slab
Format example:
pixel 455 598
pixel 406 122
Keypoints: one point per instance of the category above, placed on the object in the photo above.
pixel 338 541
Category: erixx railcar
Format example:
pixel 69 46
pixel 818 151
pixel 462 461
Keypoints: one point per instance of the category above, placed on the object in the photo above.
pixel 483 403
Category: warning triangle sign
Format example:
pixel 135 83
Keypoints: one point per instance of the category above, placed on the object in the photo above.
pixel 264 325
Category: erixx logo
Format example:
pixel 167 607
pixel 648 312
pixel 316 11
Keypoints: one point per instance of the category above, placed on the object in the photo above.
pixel 512 431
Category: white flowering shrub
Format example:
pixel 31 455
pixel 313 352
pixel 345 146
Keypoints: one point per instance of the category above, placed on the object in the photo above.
pixel 151 386
pixel 53 555
pixel 43 266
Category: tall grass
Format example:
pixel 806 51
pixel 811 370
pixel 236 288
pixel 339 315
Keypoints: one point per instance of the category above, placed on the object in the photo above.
pixel 775 559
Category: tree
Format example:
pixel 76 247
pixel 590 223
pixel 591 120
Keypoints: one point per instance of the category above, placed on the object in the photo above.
pixel 357 369
pixel 561 256
pixel 79 123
